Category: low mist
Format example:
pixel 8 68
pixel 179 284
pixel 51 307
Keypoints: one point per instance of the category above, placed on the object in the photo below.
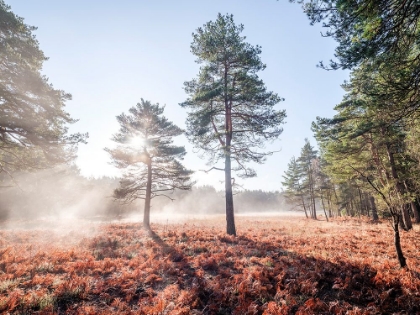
pixel 62 197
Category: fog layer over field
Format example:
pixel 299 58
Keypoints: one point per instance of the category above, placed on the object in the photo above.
pixel 168 218
pixel 62 195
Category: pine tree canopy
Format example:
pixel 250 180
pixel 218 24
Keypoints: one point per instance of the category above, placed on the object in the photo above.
pixel 146 153
pixel 33 122
pixel 370 29
pixel 229 106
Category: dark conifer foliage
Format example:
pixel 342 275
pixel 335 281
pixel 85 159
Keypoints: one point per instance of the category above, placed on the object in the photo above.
pixel 230 112
pixel 33 122
pixel 365 144
pixel 369 29
pixel 307 164
pixel 146 154
pixel 292 182
pixel 369 145
pixel 379 36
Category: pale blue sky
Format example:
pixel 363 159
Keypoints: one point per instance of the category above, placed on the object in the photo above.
pixel 109 54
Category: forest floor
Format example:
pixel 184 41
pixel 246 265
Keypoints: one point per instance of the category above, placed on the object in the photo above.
pixel 276 265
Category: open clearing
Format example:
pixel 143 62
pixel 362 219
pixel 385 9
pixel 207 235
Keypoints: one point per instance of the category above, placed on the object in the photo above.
pixel 276 265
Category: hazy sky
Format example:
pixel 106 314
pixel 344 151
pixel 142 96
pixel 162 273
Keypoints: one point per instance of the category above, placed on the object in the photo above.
pixel 109 54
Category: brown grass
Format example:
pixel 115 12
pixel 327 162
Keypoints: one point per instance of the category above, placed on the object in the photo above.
pixel 284 265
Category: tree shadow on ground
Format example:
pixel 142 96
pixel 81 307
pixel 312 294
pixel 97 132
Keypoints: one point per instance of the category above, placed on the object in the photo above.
pixel 125 270
pixel 242 276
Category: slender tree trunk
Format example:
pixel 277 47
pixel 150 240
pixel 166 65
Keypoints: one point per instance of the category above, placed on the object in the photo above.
pixel 408 225
pixel 374 211
pixel 312 194
pixel 311 206
pixel 367 202
pixel 323 206
pixel 336 202
pixel 406 219
pixel 416 213
pixel 304 206
pixel 314 207
pixel 230 214
pixel 412 206
pixel 303 200
pixel 351 208
pixel 361 210
pixel 146 215
pixel 397 241
pixel 329 205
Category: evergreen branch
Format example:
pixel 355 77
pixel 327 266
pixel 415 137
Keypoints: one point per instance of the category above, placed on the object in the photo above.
pixel 372 185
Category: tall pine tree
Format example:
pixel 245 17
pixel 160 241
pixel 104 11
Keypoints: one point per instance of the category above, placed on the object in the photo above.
pixel 231 113
pixel 292 181
pixel 306 164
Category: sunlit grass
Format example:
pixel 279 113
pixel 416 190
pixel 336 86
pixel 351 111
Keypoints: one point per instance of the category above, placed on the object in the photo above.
pixel 295 263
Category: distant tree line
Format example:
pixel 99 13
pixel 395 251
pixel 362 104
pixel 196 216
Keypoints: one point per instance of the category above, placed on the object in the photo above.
pixel 310 186
pixel 58 192
pixel 62 192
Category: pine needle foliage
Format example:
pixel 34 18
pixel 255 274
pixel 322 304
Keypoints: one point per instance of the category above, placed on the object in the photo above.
pixel 33 122
pixel 230 112
pixel 148 157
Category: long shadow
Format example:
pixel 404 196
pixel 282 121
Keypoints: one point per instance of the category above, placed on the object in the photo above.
pixel 220 274
pixel 252 274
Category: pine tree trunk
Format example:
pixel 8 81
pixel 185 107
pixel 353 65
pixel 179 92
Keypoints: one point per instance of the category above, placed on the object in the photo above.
pixel 351 211
pixel 304 206
pixel 412 206
pixel 374 211
pixel 406 219
pixel 329 205
pixel 397 241
pixel 348 212
pixel 323 206
pixel 146 215
pixel 230 214
pixel 311 207
pixel 361 210
pixel 314 209
pixel 416 213
pixel 336 202
pixel 312 194
pixel 367 203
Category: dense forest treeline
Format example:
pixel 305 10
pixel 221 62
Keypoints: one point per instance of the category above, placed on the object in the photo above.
pixel 369 149
pixel 309 186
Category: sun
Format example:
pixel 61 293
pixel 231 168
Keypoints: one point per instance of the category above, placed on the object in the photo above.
pixel 137 142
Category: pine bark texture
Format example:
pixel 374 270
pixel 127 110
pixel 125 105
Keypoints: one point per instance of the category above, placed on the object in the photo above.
pixel 148 197
pixel 397 242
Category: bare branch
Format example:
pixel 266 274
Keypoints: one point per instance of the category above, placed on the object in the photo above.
pixel 213 168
